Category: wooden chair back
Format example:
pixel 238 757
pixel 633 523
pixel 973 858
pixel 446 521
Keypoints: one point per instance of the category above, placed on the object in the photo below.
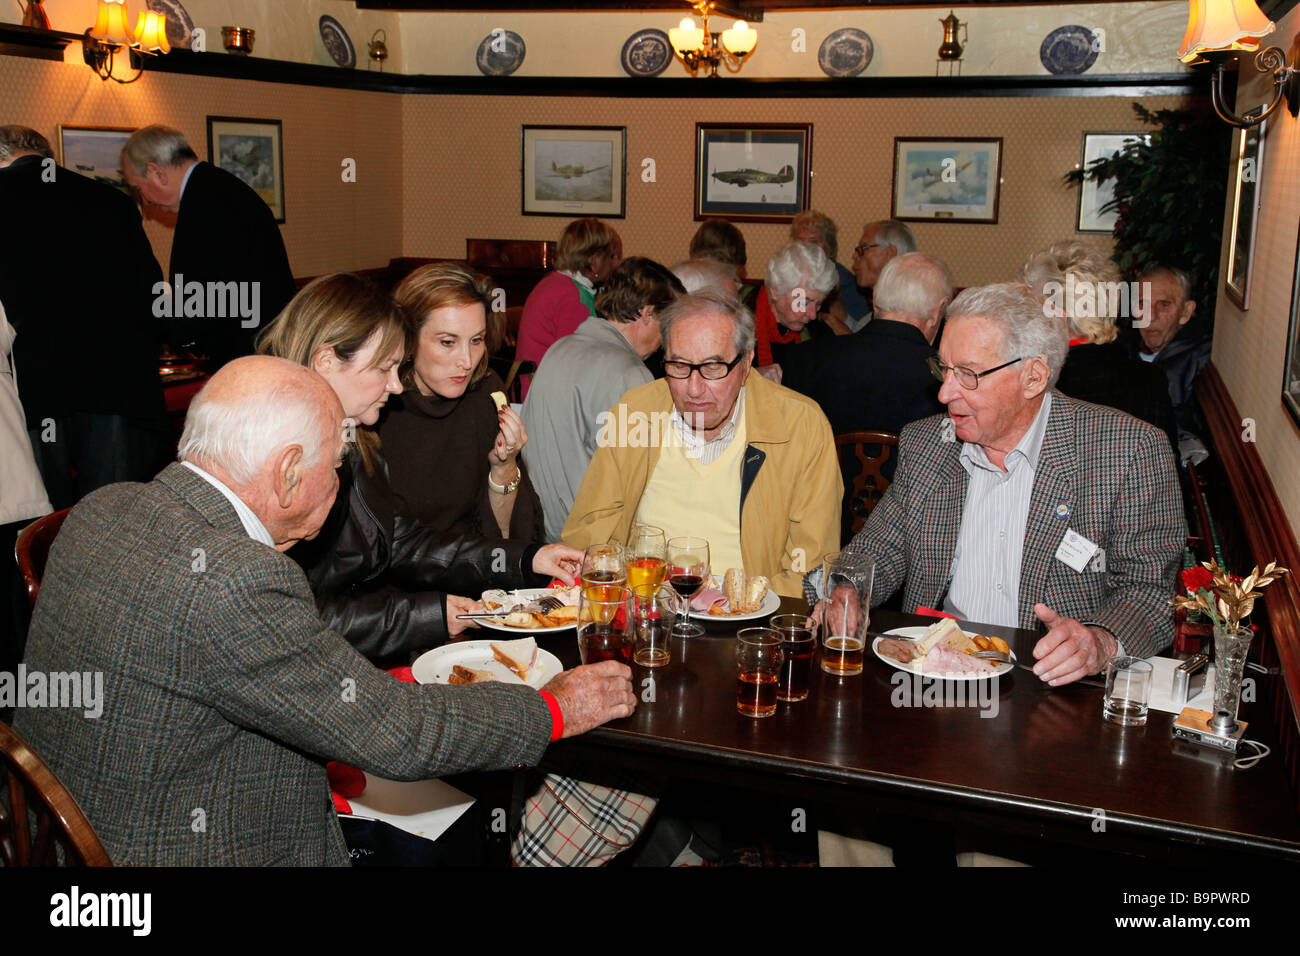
pixel 864 480
pixel 32 548
pixel 38 816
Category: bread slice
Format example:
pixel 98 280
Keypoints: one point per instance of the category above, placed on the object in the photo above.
pixel 502 402
pixel 469 675
pixel 744 594
pixel 733 587
pixel 565 616
pixel 519 656
pixel 944 632
pixel 755 591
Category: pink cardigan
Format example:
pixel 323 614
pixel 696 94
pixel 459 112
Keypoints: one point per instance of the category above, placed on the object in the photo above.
pixel 552 310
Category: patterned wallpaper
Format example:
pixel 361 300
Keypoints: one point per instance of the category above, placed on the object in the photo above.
pixel 463 153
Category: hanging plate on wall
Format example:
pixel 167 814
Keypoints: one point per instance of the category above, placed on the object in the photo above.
pixel 845 52
pixel 337 42
pixel 180 28
pixel 1068 49
pixel 647 53
pixel 500 53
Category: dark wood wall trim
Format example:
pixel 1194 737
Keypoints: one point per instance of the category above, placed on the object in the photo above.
pixel 18 40
pixel 1268 537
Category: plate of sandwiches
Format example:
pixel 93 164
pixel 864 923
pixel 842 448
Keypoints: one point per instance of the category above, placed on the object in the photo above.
pixel 517 610
pixel 519 661
pixel 737 597
pixel 941 650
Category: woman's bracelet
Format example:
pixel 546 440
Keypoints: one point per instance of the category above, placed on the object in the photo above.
pixel 506 489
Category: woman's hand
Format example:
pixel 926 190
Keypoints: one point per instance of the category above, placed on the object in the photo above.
pixel 505 450
pixel 461 605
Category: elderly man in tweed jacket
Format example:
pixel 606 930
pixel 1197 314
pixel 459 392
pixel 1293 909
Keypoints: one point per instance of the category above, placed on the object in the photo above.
pixel 1023 506
pixel 224 693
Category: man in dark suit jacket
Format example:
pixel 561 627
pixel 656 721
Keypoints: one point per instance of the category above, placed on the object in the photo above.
pixel 978 518
pixel 878 379
pixel 220 694
pixel 87 365
pixel 225 233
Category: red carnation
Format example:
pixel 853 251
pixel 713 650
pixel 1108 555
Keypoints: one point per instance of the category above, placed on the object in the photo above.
pixel 1196 579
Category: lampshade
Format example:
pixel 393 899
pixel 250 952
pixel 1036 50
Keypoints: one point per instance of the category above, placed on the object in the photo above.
pixel 1222 26
pixel 686 36
pixel 110 23
pixel 740 39
pixel 151 33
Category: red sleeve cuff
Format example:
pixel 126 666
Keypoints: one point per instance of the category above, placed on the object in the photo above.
pixel 557 718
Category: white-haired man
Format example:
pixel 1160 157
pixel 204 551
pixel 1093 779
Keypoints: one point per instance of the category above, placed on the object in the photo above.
pixel 880 242
pixel 1023 506
pixel 799 277
pixel 229 272
pixel 714 451
pixel 223 692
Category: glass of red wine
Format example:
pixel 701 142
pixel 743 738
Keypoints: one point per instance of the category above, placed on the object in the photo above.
pixel 688 571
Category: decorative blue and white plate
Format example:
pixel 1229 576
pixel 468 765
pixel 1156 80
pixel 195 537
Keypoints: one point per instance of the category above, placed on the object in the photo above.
pixel 647 53
pixel 845 52
pixel 500 53
pixel 337 42
pixel 1068 49
pixel 180 28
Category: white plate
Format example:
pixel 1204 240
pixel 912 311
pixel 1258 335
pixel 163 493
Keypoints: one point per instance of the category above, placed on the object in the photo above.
pixel 434 667
pixel 914 667
pixel 527 594
pixel 771 601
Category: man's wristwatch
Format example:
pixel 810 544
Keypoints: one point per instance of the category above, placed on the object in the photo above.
pixel 505 489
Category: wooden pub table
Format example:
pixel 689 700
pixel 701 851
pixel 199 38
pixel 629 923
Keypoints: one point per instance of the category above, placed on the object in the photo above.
pixel 1042 765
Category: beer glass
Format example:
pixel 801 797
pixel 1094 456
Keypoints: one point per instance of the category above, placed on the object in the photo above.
pixel 646 556
pixel 654 611
pixel 846 611
pixel 605 624
pixel 798 641
pixel 758 667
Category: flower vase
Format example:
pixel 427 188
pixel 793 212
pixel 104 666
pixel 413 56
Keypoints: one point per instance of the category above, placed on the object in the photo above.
pixel 1230 650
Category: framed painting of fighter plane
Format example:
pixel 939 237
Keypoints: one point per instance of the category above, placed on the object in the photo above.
pixel 574 171
pixel 93 152
pixel 251 149
pixel 756 172
pixel 947 180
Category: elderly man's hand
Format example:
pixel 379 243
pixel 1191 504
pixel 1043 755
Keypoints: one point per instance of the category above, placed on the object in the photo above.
pixel 592 694
pixel 558 561
pixel 1070 650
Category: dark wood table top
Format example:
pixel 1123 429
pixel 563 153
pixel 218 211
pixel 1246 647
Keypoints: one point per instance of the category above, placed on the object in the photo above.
pixel 1041 753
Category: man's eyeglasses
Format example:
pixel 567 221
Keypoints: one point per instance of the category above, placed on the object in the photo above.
pixel 967 378
pixel 708 370
pixel 862 247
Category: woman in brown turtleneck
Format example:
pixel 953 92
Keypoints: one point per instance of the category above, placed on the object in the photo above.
pixel 454 459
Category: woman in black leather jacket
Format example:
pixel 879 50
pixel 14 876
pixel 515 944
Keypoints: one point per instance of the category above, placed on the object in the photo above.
pixel 382 579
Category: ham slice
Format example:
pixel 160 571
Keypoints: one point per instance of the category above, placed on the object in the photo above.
pixel 705 598
pixel 902 651
pixel 944 660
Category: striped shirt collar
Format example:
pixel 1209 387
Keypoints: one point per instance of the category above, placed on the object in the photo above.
pixel 708 450
pixel 1027 450
pixel 252 524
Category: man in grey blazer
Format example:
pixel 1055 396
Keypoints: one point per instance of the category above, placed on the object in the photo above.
pixel 223 692
pixel 1022 506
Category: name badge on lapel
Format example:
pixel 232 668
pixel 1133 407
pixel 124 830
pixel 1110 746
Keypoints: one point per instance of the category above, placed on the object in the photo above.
pixel 1075 550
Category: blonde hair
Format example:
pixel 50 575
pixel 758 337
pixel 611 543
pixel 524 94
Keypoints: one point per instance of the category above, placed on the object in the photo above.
pixel 436 286
pixel 339 312
pixel 1095 276
pixel 581 240
pixel 821 225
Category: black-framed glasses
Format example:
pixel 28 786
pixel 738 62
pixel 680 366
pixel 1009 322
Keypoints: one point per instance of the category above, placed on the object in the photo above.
pixel 967 378
pixel 708 370
pixel 862 247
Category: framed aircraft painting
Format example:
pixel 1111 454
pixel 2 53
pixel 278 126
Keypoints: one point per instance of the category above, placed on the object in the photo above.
pixel 947 180
pixel 574 171
pixel 758 172
pixel 253 150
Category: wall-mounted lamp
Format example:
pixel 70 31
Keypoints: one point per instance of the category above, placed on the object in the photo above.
pixel 110 34
pixel 699 47
pixel 1220 30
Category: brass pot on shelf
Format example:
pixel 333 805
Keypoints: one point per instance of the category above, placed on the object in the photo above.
pixel 238 39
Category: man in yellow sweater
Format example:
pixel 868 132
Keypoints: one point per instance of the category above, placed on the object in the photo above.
pixel 717 452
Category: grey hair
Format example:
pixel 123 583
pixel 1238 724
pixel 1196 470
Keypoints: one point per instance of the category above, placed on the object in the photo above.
pixel 1097 301
pixel 1027 330
pixel 240 437
pixel 1184 280
pixel 913 284
pixel 23 139
pixel 799 264
pixel 894 233
pixel 711 302
pixel 697 274
pixel 810 220
pixel 156 144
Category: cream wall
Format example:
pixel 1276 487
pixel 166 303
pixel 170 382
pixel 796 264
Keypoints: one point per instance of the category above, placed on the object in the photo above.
pixel 1004 40
pixel 1250 346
